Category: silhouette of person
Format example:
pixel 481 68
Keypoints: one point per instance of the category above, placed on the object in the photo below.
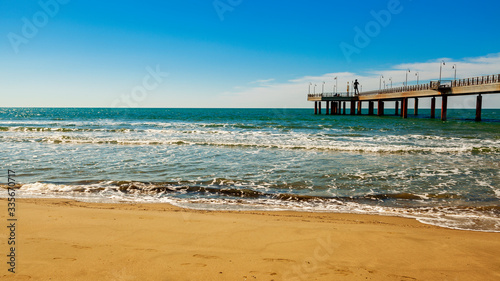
pixel 356 90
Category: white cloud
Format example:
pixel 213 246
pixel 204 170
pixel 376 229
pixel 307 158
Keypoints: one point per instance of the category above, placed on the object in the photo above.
pixel 263 81
pixel 293 93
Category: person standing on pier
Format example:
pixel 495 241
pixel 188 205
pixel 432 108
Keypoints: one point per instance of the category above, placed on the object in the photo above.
pixel 356 90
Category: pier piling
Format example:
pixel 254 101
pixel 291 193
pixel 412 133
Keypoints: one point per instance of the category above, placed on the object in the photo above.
pixel 479 105
pixel 404 108
pixel 380 108
pixel 433 107
pixel 370 108
pixel 444 107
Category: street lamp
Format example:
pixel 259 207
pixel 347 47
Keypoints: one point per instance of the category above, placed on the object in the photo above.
pixel 380 82
pixel 315 89
pixel 440 70
pixel 336 84
pixel 390 79
pixel 406 84
pixel 309 92
pixel 418 75
pixel 455 67
pixel 323 88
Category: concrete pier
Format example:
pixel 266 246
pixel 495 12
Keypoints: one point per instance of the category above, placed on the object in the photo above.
pixel 337 102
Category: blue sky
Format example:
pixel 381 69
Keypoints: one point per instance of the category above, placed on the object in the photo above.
pixel 231 53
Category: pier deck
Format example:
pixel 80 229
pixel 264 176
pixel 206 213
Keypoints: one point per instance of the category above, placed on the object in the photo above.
pixel 489 84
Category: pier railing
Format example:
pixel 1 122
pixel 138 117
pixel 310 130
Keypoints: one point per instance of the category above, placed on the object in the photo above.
pixel 435 85
pixel 331 95
pixel 488 79
pixel 432 85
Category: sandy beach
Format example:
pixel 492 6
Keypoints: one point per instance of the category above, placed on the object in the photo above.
pixel 70 240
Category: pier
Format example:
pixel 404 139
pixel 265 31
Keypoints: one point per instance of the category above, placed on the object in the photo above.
pixel 336 102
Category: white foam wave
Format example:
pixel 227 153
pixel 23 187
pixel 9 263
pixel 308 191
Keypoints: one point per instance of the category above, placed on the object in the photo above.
pixel 449 217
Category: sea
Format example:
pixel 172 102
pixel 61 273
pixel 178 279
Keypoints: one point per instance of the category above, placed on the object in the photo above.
pixel 444 173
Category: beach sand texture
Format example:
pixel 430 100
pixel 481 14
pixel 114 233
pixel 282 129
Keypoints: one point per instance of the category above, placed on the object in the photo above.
pixel 61 239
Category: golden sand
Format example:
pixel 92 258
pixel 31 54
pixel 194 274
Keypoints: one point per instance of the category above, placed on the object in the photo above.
pixel 70 240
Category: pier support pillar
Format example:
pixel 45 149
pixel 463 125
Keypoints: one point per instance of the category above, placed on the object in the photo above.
pixel 344 108
pixel 334 107
pixel 370 108
pixel 433 107
pixel 327 108
pixel 415 111
pixel 353 107
pixel 359 107
pixel 479 105
pixel 315 108
pixel 444 107
pixel 339 108
pixel 319 107
pixel 396 108
pixel 380 108
pixel 404 108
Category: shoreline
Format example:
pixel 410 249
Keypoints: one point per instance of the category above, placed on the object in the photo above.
pixel 64 239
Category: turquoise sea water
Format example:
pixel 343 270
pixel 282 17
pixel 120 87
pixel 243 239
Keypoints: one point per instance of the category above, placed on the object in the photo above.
pixel 442 173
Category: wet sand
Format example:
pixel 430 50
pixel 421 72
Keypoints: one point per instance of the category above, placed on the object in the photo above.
pixel 61 239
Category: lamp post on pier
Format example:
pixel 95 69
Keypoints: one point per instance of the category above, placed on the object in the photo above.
pixel 336 84
pixel 390 79
pixel 315 89
pixel 310 84
pixel 441 69
pixel 323 88
pixel 455 67
pixel 406 72
pixel 380 82
pixel 418 75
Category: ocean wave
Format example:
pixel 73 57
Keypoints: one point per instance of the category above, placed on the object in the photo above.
pixel 301 142
pixel 227 194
